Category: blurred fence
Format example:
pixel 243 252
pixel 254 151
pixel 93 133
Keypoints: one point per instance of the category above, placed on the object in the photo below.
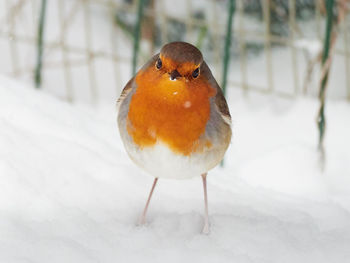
pixel 88 43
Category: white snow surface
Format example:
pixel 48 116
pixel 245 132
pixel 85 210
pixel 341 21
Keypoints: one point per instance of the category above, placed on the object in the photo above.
pixel 69 193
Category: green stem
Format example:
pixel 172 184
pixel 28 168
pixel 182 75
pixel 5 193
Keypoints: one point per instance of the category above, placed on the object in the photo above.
pixel 137 35
pixel 40 46
pixel 231 10
pixel 227 45
pixel 124 27
pixel 321 120
pixel 202 33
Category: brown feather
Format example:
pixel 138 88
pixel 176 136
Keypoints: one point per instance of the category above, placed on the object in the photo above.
pixel 220 100
pixel 125 92
pixel 221 103
pixel 182 52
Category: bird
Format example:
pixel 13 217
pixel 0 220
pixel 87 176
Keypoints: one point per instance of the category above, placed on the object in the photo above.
pixel 173 118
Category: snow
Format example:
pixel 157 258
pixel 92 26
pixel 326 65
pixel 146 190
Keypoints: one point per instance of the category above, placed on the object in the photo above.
pixel 69 193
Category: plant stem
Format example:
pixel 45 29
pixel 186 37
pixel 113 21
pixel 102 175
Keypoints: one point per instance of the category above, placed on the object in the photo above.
pixel 202 33
pixel 321 120
pixel 137 35
pixel 227 45
pixel 231 10
pixel 40 46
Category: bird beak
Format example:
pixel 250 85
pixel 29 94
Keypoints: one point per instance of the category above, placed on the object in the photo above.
pixel 174 75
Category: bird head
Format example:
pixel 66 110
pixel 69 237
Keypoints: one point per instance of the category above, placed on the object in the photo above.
pixel 180 60
pixel 176 74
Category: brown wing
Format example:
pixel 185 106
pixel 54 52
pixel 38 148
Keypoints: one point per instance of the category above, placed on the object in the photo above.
pixel 221 103
pixel 220 100
pixel 127 89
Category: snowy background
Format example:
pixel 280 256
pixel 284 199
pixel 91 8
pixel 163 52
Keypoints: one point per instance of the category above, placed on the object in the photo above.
pixel 69 193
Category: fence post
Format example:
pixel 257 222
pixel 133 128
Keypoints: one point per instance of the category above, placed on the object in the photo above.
pixel 40 47
pixel 137 35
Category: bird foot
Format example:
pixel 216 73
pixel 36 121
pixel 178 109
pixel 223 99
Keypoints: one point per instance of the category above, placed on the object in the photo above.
pixel 206 229
pixel 142 221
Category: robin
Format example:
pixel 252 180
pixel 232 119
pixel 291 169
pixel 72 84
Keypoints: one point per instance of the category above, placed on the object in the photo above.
pixel 173 118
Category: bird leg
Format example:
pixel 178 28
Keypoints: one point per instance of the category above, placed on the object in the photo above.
pixel 143 217
pixel 206 217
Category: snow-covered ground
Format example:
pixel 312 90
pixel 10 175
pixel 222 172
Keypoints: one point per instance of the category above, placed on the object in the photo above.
pixel 69 193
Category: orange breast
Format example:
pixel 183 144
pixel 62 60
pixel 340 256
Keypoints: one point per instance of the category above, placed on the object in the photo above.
pixel 174 112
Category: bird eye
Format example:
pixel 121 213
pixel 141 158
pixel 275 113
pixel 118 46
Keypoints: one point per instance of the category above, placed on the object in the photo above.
pixel 195 73
pixel 159 63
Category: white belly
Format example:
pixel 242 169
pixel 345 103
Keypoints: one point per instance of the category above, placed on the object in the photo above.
pixel 161 162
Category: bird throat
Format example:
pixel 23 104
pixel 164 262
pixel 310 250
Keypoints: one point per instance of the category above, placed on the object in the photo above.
pixel 172 112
